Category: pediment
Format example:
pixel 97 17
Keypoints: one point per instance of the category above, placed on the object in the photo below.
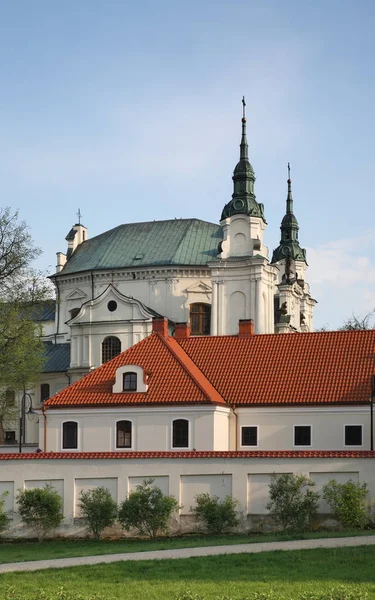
pixel 111 306
pixel 199 288
pixel 77 294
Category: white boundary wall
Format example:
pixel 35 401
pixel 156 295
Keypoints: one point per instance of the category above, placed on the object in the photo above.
pixel 246 479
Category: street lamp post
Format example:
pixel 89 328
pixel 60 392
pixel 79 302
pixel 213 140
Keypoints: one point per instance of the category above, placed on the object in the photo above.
pixel 372 413
pixel 26 399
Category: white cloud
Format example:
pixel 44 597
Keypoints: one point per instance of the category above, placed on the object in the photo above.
pixel 342 278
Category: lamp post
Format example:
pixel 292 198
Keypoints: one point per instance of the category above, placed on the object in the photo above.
pixel 372 413
pixel 26 400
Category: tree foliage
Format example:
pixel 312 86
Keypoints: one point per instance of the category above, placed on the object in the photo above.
pixel 22 290
pixel 40 509
pixel 358 322
pixel 217 514
pixel 4 519
pixel 348 502
pixel 147 509
pixel 292 501
pixel 98 508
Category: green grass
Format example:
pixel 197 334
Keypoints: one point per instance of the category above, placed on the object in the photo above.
pixel 62 548
pixel 287 573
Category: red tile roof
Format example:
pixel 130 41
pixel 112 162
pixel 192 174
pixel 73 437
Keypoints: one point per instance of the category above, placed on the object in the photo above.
pixel 172 378
pixel 285 369
pixel 308 368
pixel 185 455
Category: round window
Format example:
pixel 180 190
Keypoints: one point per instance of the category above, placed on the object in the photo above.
pixel 238 204
pixel 112 305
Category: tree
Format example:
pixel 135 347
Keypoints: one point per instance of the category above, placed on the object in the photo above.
pixel 40 509
pixel 147 509
pixel 22 290
pixel 98 508
pixel 292 501
pixel 217 514
pixel 357 322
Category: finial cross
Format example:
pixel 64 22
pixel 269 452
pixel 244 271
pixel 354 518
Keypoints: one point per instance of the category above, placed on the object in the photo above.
pixel 288 170
pixel 243 107
pixel 79 215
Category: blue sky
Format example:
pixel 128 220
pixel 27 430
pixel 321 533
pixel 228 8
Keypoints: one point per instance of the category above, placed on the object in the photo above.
pixel 131 111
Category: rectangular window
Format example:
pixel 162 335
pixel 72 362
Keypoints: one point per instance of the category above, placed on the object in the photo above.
pixel 249 436
pixel 10 437
pixel 302 435
pixel 70 435
pixel 353 435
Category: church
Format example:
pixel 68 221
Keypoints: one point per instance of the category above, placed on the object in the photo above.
pixel 181 350
pixel 212 275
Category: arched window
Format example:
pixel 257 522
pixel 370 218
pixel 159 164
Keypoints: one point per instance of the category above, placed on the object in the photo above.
pixel 74 312
pixel 123 434
pixel 44 392
pixel 129 382
pixel 180 433
pixel 70 435
pixel 111 347
pixel 200 319
pixel 10 398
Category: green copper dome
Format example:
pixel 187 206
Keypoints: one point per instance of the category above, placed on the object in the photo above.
pixel 243 198
pixel 289 244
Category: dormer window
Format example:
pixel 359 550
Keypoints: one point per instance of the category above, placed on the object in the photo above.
pixel 130 378
pixel 129 382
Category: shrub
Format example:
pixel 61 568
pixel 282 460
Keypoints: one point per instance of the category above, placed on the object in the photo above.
pixel 216 514
pixel 147 509
pixel 3 515
pixel 40 509
pixel 98 508
pixel 348 502
pixel 292 501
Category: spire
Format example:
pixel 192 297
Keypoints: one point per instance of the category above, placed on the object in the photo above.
pixel 289 200
pixel 243 197
pixel 244 148
pixel 289 244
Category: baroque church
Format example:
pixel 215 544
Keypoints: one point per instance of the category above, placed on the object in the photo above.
pixel 110 288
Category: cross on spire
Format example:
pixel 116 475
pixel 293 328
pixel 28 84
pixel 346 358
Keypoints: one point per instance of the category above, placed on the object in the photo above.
pixel 288 171
pixel 79 215
pixel 243 107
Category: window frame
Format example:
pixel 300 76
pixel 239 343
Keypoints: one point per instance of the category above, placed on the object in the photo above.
pixel 43 385
pixel 108 337
pixel 129 374
pixel 62 436
pixel 192 332
pixel 188 447
pixel 311 436
pixel 353 425
pixel 248 445
pixel 125 448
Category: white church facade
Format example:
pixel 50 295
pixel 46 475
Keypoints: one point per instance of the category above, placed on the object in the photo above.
pixel 109 288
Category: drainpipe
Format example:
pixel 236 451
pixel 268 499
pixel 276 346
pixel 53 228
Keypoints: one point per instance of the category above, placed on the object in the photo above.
pixel 45 429
pixel 58 308
pixel 92 285
pixel 236 426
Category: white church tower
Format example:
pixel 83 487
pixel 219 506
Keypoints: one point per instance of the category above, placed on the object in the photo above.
pixel 243 281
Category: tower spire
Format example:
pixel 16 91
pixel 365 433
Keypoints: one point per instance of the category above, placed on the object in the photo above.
pixel 244 148
pixel 289 199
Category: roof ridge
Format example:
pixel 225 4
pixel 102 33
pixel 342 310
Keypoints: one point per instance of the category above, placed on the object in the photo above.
pixel 169 343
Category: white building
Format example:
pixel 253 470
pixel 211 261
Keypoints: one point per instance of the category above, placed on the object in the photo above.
pixel 216 414
pixel 110 287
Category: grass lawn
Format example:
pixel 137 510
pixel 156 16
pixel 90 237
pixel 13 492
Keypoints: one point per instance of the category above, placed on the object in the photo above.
pixel 62 548
pixel 287 573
